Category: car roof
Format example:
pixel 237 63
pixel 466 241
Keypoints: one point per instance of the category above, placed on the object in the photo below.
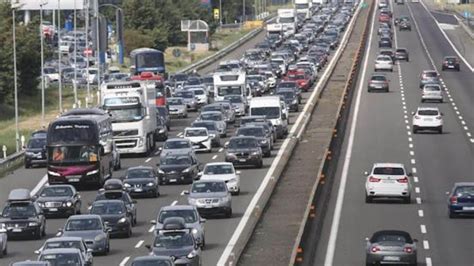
pixel 152 258
pixel 19 194
pixel 218 163
pixel 64 238
pixel 430 71
pixel 109 201
pixel 208 181
pixel 389 165
pixel 176 139
pixel 428 109
pixel 458 184
pixel 84 216
pixel 60 250
pixel 242 137
pixel 195 128
pixel 395 232
pixel 177 207
pixel 211 112
pixel 140 167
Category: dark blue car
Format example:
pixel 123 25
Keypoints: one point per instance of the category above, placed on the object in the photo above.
pixel 461 199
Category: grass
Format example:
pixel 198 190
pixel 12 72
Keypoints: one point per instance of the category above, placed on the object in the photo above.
pixel 444 5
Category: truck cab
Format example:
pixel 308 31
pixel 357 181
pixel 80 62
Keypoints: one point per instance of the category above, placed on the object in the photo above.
pixel 274 109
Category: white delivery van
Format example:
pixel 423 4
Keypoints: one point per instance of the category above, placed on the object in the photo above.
pixel 273 109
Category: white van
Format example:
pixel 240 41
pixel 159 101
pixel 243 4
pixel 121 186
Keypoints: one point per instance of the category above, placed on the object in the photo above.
pixel 274 110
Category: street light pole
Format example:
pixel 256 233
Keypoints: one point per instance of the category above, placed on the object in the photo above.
pixel 96 7
pixel 87 55
pixel 59 57
pixel 220 13
pixel 17 130
pixel 75 56
pixel 42 3
pixel 243 12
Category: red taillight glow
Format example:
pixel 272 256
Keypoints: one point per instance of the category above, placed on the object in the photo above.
pixel 374 179
pixel 374 249
pixel 453 199
pixel 408 249
pixel 403 180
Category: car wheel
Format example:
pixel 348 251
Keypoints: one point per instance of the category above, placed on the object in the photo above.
pixel 78 209
pixel 422 100
pixel 452 214
pixel 156 194
pixel 440 130
pixel 229 213
pixel 368 199
pixel 260 164
pixel 441 101
pixel 129 232
pixel 38 233
pixel 5 251
pixel 386 90
pixel 268 154
pixel 442 68
pixel 27 165
pixel 414 130
pixel 407 200
pixel 369 90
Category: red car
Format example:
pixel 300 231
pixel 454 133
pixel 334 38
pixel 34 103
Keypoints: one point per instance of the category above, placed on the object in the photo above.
pixel 384 18
pixel 301 79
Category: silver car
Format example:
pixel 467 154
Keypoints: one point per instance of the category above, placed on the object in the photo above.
pixel 239 104
pixel 177 107
pixel 391 247
pixel 229 112
pixel 189 98
pixel 68 242
pixel 191 217
pixel 176 146
pixel 3 241
pixel 217 117
pixel 211 197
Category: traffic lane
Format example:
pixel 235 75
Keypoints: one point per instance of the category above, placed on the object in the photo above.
pixel 445 18
pixel 458 83
pixel 20 178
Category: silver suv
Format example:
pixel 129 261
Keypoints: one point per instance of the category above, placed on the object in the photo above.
pixel 210 197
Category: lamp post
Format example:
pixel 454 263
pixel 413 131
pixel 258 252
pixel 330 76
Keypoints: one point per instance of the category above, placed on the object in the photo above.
pixel 220 13
pixel 17 130
pixel 87 55
pixel 59 58
pixel 75 56
pixel 42 3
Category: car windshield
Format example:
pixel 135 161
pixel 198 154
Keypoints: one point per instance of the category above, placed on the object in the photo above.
pixel 432 88
pixel 209 126
pixel 198 92
pixel 428 112
pixel 83 224
pixel 379 78
pixel 287 94
pixel 180 77
pixel 120 195
pixel 211 116
pixel 177 144
pixel 63 244
pixel 189 216
pixel 464 191
pixel 196 133
pixel 241 143
pixel 53 191
pixel 140 173
pixel 211 107
pixel 176 161
pixel 430 75
pixel 173 240
pixel 185 94
pixel 287 85
pixel 172 101
pixel 255 78
pixel 229 90
pixel 222 169
pixel 62 259
pixel 152 262
pixel 108 208
pixel 36 143
pixel 84 153
pixel 268 112
pixel 251 131
pixel 19 211
pixel 208 187
pixel 388 171
pixel 193 81
pixel 390 238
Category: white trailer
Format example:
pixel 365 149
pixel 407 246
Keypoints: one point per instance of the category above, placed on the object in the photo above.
pixel 231 83
pixel 287 18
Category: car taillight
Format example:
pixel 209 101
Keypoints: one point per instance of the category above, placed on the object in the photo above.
pixel 453 199
pixel 408 249
pixel 374 249
pixel 417 117
pixel 403 180
pixel 374 179
pixel 438 117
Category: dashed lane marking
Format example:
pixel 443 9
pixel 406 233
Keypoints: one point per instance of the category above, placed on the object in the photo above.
pixel 428 261
pixel 139 244
pixel 417 190
pixel 151 229
pixel 418 200
pixel 421 214
pixel 174 203
pixel 415 178
pixel 214 157
pixel 426 244
pixel 124 261
pixel 423 229
pixel 148 160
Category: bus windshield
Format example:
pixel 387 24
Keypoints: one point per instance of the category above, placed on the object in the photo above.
pixel 84 153
pixel 229 90
pixel 73 132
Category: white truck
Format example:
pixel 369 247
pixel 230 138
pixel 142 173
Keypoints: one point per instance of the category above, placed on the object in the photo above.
pixel 319 2
pixel 274 29
pixel 274 109
pixel 133 110
pixel 288 19
pixel 231 83
pixel 303 7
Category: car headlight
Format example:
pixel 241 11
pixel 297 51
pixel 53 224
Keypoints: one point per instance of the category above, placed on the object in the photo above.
pixel 93 172
pixel 127 185
pixel 255 153
pixel 150 184
pixel 33 224
pixel 41 204
pixel 99 237
pixel 212 135
pixel 29 153
pixel 225 199
pixel 294 101
pixel 194 231
pixel 232 180
pixel 161 171
pixel 192 254
pixel 192 201
pixel 122 220
pixel 264 141
pixel 186 170
pixel 230 154
pixel 53 173
pixel 161 130
pixel 67 204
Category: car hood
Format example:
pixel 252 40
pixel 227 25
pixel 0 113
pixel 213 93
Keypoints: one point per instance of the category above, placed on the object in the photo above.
pixel 174 167
pixel 34 150
pixel 175 252
pixel 225 177
pixel 198 139
pixel 111 218
pixel 208 195
pixel 175 152
pixel 45 199
pixel 230 150
pixel 133 181
pixel 177 107
pixel 90 234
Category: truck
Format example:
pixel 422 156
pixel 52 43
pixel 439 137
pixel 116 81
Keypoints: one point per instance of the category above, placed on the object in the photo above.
pixel 132 107
pixel 274 29
pixel 231 83
pixel 288 19
pixel 274 109
pixel 303 8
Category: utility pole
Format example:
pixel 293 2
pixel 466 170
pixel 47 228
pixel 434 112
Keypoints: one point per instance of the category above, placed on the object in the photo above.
pixel 87 55
pixel 60 85
pixel 42 3
pixel 75 56
pixel 17 129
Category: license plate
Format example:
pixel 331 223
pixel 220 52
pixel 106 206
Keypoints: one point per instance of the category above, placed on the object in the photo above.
pixel 450 66
pixel 389 181
pixel 138 190
pixel 468 208
pixel 391 258
pixel 53 209
pixel 17 230
pixel 196 146
pixel 208 206
pixel 73 180
pixel 242 160
pixel 428 119
pixel 173 180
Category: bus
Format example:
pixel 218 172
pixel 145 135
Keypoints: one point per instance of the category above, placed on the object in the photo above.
pixel 158 81
pixel 79 147
pixel 147 60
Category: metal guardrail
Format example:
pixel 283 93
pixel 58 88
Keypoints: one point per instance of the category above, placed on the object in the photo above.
pixel 11 161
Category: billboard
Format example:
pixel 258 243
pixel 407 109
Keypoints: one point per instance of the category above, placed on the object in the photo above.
pixel 48 4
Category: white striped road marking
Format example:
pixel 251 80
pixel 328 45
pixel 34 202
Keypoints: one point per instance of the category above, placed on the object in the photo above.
pixel 417 190
pixel 41 183
pixel 139 244
pixel 221 149
pixel 410 145
pixel 148 160
pixel 415 178
pixel 409 133
pixel 426 244
pixel 412 153
pixel 413 170
pixel 151 229
pixel 214 157
pixel 124 261
pixel 421 214
pixel 423 229
pixel 410 139
pixel 418 200
pixel 408 127
pixel 174 203
pixel 428 261
pixel 157 152
pixel 412 161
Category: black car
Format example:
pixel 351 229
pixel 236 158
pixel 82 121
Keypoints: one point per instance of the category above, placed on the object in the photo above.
pixel 115 215
pixel 59 200
pixel 178 169
pixel 285 85
pixel 404 25
pixel 142 180
pixel 402 54
pixel 290 98
pixel 244 151
pixel 22 217
pixel 153 260
pixel 259 133
pixel 164 113
pixel 451 62
pixel 35 151
pixel 114 191
pixel 385 42
pixel 161 132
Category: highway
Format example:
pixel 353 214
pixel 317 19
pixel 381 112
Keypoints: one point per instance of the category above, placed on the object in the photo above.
pixel 380 131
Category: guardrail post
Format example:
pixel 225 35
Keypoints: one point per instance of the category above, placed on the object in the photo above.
pixel 22 139
pixel 79 103
pixel 4 149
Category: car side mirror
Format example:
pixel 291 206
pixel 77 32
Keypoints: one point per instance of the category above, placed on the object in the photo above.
pixel 283 116
pixel 415 240
pixel 160 148
pixel 90 250
pixel 200 174
pixel 203 220
pixel 226 145
pixel 185 192
pixel 153 222
pixel 366 173
pixel 37 252
pixel 412 113
pixel 108 229
pixel 148 247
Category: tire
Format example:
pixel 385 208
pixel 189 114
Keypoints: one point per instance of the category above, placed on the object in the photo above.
pixel 237 192
pixel 268 154
pixel 386 90
pixel 229 213
pixel 5 251
pixel 422 100
pixel 414 130
pixel 156 194
pixel 27 165
pixel 39 233
pixel 129 232
pixel 441 101
pixel 369 90
pixel 368 199
pixel 78 210
pixel 407 200
pixel 452 214
pixel 440 130
pixel 260 164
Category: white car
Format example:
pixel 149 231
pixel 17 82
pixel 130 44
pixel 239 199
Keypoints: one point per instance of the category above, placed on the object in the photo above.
pixel 3 241
pixel 427 118
pixel 388 180
pixel 222 171
pixel 199 138
pixel 432 92
pixel 383 62
pixel 201 95
pixel 383 4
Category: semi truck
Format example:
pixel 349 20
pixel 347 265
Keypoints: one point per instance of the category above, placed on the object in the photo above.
pixel 303 8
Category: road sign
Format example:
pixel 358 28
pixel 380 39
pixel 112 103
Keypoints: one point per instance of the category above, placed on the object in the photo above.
pixel 467 14
pixel 216 13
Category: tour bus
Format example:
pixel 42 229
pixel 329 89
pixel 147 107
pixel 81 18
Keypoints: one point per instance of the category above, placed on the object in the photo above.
pixel 79 145
pixel 274 109
pixel 147 60
pixel 231 83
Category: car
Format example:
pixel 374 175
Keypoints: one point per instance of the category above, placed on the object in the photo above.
pixel 31 263
pixel 239 104
pixel 142 181
pixel 451 62
pixel 285 85
pixel 164 113
pixel 383 17
pixel 68 242
pixel 391 247
pixel 259 133
pixel 110 192
pixel 427 118
pixel 388 180
pixel 385 42
pixel 189 98
pixel 178 169
pixel 62 256
pixel 116 162
pixel 301 78
pixel 176 241
pixel 35 151
pixel 217 117
pixel 153 260
pixel 429 77
pixel 191 217
pixel 378 82
pixel 383 4
pixel 383 62
pixel 177 107
pixel 388 52
pixel 402 54
pixel 200 94
pixel 59 200
pixel 211 197
pixel 222 171
pixel 199 137
pixel 211 127
pixel 115 215
pixel 244 151
pixel 3 241
pixel 432 92
pixel 290 97
pixel 269 132
pixel 461 199
pixel 176 146
pixel 161 132
pixel 228 111
pixel 91 228
pixel 404 25
pixel 22 216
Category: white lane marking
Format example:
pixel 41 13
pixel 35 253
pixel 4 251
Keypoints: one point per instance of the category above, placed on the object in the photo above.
pixel 38 186
pixel 410 145
pixel 415 179
pixel 468 134
pixel 409 133
pixel 182 193
pixel 472 140
pixel 417 190
pixel 426 244
pixel 139 244
pixel 221 149
pixel 157 152
pixel 418 200
pixel 180 134
pixel 331 247
pixel 428 261
pixel 174 203
pixel 124 261
pixel 466 128
pixel 412 161
pixel 151 229
pixel 412 153
pixel 421 214
pixel 410 139
pixel 148 160
pixel 214 157
pixel 408 127
pixel 406 121
pixel 413 170
pixel 423 228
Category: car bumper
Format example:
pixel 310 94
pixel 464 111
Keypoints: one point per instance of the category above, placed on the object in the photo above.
pixel 394 259
pixel 97 246
pixel 36 161
pixel 384 67
pixel 432 97
pixel 177 114
pixel 119 229
pixel 463 208
pixel 30 231
pixel 386 192
pixel 142 191
pixel 177 178
pixel 213 210
pixel 60 211
pixel 378 87
pixel 243 160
